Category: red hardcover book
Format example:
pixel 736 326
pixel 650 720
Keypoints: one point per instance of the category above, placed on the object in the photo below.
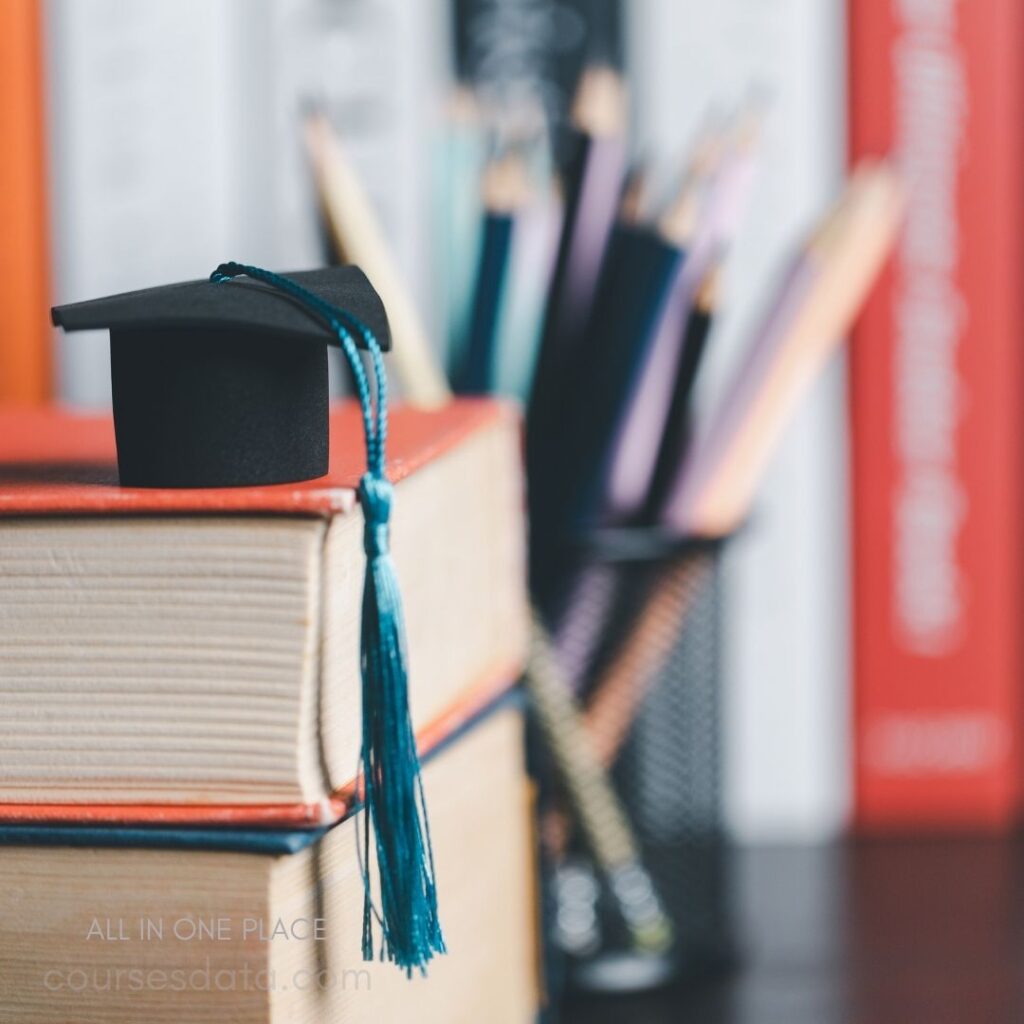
pixel 191 656
pixel 937 416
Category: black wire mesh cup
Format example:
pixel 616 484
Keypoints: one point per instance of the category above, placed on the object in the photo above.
pixel 638 636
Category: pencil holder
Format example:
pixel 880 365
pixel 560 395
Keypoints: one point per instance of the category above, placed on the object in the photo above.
pixel 638 638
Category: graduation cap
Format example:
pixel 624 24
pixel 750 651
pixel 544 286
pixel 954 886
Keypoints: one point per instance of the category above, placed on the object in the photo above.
pixel 224 386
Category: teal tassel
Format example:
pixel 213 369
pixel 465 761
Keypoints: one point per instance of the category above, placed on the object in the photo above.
pixel 391 768
pixel 395 807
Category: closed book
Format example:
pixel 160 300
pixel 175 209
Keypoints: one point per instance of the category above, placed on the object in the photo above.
pixel 936 382
pixel 193 655
pixel 265 926
pixel 787 721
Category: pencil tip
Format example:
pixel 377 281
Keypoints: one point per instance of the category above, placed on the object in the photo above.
pixel 599 107
pixel 506 183
pixel 634 193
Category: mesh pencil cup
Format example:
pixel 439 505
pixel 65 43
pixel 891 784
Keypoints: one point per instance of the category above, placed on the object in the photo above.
pixel 638 637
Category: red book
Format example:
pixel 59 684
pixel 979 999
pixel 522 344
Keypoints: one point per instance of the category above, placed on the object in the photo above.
pixel 191 656
pixel 936 389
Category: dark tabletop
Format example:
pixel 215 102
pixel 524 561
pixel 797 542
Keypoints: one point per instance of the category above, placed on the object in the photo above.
pixel 872 932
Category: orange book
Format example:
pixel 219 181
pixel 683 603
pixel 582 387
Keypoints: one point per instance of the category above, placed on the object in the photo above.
pixel 24 268
pixel 191 656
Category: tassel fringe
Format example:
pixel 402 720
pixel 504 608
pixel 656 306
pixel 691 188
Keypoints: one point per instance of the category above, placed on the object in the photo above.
pixel 395 805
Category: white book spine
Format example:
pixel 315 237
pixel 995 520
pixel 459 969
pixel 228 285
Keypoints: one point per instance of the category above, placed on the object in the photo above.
pixel 785 662
pixel 139 100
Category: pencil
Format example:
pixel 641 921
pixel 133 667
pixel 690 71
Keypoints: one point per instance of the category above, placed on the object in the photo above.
pixel 597 808
pixel 462 159
pixel 358 238
pixel 590 189
pixel 521 318
pixel 679 422
pixel 626 681
pixel 504 191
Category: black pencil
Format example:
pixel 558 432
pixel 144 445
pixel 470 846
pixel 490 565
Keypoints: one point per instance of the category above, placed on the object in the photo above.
pixel 591 185
pixel 679 422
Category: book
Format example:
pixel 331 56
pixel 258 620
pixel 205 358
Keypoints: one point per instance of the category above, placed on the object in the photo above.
pixel 24 263
pixel 785 666
pixel 264 927
pixel 192 655
pixel 935 392
pixel 138 108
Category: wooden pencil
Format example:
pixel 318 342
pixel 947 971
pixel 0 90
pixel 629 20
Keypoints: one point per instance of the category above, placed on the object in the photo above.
pixel 463 154
pixel 504 193
pixel 626 681
pixel 359 238
pixel 521 318
pixel 596 806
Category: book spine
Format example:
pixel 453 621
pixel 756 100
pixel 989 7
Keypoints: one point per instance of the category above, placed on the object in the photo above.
pixel 142 183
pixel 784 616
pixel 24 283
pixel 936 388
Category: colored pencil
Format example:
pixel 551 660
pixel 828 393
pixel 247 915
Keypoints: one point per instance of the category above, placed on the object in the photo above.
pixel 596 806
pixel 678 428
pixel 627 679
pixel 462 155
pixel 521 319
pixel 359 238
pixel 504 193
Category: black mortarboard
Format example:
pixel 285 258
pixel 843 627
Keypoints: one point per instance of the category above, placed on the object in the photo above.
pixel 223 384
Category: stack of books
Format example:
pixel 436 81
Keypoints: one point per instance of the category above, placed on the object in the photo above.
pixel 179 730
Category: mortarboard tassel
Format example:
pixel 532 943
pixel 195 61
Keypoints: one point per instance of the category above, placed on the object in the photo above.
pixel 394 798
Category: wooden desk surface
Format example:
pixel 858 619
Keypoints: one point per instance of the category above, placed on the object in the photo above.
pixel 873 932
